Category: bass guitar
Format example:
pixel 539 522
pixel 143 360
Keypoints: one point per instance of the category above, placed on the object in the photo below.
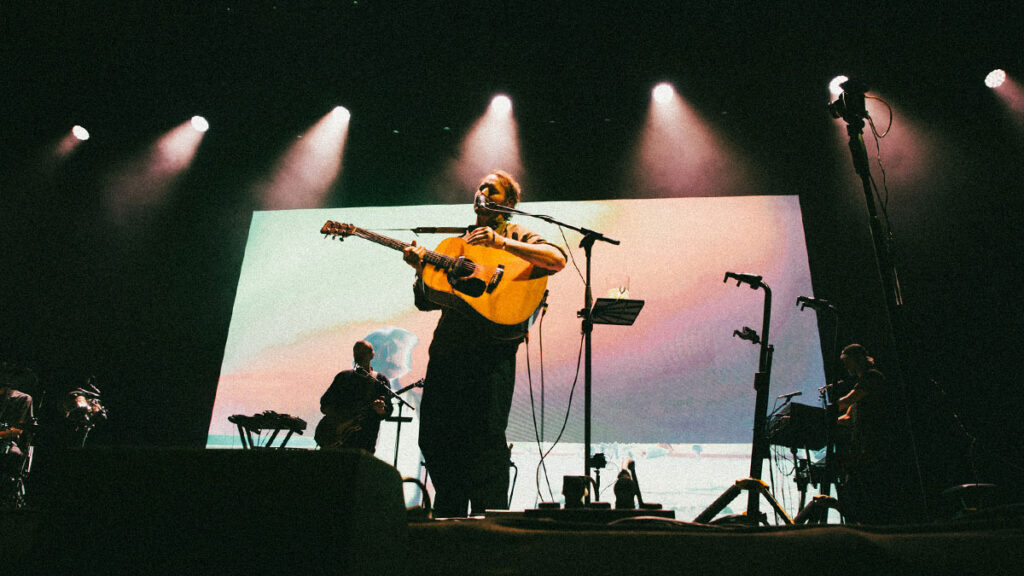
pixel 501 289
pixel 333 432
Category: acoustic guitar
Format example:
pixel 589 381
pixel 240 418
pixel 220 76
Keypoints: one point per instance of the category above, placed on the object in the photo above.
pixel 499 288
pixel 333 432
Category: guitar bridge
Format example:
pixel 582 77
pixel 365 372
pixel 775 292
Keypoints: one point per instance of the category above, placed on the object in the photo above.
pixel 496 278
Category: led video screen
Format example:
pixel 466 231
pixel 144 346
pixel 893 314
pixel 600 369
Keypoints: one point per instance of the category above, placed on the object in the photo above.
pixel 672 392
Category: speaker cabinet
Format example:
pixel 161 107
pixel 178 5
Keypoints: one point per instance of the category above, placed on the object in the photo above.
pixel 194 511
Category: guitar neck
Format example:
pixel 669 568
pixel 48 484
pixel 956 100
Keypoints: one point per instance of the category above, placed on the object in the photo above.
pixel 434 258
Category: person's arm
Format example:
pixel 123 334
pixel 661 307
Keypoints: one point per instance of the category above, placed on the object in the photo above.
pixel 855 395
pixel 382 406
pixel 540 254
pixel 413 256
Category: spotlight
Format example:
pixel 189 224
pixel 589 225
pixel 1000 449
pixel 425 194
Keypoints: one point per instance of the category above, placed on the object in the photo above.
pixel 80 133
pixel 341 113
pixel 995 78
pixel 662 93
pixel 200 124
pixel 850 104
pixel 502 104
pixel 834 86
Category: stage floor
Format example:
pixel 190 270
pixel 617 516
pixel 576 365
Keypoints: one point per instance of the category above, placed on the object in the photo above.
pixel 990 543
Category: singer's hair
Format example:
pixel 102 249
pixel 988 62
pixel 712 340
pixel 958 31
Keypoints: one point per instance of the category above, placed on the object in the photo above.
pixel 513 192
pixel 859 352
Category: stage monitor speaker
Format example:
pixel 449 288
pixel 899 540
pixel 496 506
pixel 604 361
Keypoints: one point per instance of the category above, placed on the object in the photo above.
pixel 194 511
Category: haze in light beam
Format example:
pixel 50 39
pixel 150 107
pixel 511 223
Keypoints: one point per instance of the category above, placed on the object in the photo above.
pixel 909 152
pixel 679 155
pixel 309 168
pixel 139 187
pixel 1012 95
pixel 492 143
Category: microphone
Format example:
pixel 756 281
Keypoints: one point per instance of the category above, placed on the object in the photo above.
pixel 790 395
pixel 482 203
pixel 752 280
pixel 747 334
pixel 818 304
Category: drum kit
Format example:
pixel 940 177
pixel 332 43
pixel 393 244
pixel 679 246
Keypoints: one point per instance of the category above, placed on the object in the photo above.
pixel 83 410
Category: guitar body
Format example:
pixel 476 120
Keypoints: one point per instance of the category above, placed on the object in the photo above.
pixel 333 432
pixel 502 290
pixel 490 284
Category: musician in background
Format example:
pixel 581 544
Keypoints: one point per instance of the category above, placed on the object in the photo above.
pixel 871 483
pixel 16 417
pixel 355 404
pixel 470 377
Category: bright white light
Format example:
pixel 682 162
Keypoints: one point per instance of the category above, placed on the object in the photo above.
pixel 200 124
pixel 995 78
pixel 662 93
pixel 341 113
pixel 501 104
pixel 80 133
pixel 834 87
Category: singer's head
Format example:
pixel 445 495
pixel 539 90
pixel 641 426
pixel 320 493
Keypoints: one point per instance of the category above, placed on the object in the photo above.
pixel 500 188
pixel 362 354
pixel 856 360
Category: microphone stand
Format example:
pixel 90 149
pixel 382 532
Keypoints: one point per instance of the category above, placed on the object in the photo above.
pixel 589 238
pixel 398 420
pixel 853 112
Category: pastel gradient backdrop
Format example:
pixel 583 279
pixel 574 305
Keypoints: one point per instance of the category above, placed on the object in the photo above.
pixel 674 391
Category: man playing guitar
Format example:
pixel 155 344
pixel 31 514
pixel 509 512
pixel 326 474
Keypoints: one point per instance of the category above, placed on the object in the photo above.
pixel 354 405
pixel 470 377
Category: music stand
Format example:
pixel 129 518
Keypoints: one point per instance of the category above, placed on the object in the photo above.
pixel 616 311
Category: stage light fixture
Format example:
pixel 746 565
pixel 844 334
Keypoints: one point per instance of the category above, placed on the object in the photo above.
pixel 834 86
pixel 200 124
pixel 662 93
pixel 80 132
pixel 341 113
pixel 502 104
pixel 995 78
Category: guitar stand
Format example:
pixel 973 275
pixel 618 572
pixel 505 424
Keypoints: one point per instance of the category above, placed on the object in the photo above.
pixel 753 485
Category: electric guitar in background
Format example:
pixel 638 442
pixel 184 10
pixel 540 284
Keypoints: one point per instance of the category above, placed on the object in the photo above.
pixel 495 286
pixel 333 432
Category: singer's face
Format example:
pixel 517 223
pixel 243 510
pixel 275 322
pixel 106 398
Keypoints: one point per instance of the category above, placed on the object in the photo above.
pixel 850 363
pixel 492 189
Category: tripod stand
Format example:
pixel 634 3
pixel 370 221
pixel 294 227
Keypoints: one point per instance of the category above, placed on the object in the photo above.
pixel 753 485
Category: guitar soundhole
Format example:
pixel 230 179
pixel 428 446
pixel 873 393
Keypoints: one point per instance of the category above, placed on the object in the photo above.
pixel 461 279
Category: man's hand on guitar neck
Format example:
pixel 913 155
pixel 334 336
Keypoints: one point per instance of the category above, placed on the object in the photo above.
pixel 413 256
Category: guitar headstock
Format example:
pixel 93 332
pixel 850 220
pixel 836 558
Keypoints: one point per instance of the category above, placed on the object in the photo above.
pixel 337 230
